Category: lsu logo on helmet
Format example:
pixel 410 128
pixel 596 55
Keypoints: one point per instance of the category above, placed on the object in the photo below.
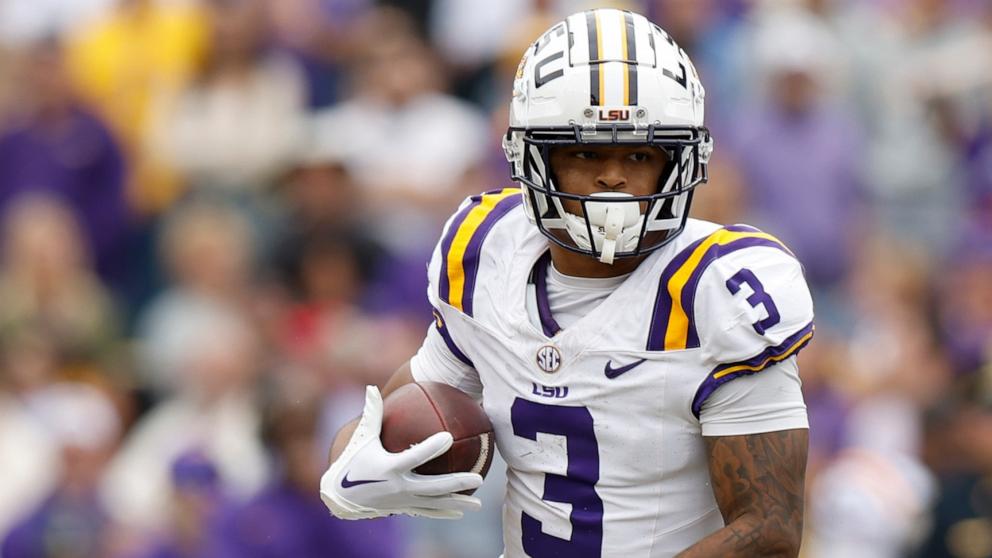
pixel 642 89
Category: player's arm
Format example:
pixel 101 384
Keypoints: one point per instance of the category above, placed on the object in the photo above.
pixel 401 377
pixel 365 481
pixel 750 406
pixel 758 481
pixel 439 360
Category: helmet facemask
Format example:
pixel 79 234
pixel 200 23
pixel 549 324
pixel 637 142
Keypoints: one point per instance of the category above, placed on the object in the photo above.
pixel 611 224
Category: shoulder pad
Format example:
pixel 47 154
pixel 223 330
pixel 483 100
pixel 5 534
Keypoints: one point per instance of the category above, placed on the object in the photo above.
pixel 454 266
pixel 726 276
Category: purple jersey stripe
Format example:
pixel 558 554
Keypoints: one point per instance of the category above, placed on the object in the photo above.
pixel 772 355
pixel 444 288
pixel 663 301
pixel 442 328
pixel 712 254
pixel 473 253
pixel 548 323
pixel 742 228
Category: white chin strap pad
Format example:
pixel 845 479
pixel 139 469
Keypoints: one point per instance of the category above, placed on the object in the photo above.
pixel 610 220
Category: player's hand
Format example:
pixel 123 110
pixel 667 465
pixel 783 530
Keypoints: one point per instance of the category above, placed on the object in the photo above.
pixel 367 481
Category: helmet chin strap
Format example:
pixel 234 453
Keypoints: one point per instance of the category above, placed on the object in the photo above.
pixel 609 219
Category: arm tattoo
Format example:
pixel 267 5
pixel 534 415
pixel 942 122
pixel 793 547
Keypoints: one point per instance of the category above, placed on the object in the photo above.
pixel 758 481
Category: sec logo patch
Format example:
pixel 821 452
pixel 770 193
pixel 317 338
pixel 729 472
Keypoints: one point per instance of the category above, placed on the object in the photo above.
pixel 548 359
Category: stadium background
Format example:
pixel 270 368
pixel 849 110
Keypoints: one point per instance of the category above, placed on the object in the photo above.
pixel 216 213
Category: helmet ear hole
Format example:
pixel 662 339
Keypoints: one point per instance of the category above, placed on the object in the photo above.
pixel 665 181
pixel 550 211
pixel 667 210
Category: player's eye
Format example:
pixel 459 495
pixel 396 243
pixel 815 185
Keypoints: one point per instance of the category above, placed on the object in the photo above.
pixel 639 156
pixel 585 154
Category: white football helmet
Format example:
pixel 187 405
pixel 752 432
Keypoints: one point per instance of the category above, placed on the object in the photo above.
pixel 607 76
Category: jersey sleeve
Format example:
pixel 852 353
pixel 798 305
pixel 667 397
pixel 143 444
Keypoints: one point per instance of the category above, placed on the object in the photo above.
pixel 756 311
pixel 440 358
pixel 766 402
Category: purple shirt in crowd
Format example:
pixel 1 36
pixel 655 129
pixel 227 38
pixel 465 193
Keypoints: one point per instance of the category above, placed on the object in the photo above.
pixel 804 183
pixel 60 526
pixel 281 521
pixel 76 159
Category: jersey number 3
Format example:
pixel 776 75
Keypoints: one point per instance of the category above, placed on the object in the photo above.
pixel 576 487
pixel 758 297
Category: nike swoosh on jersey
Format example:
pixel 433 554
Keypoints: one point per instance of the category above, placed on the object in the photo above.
pixel 614 372
pixel 345 483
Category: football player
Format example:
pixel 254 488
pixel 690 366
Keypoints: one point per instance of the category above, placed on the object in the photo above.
pixel 638 365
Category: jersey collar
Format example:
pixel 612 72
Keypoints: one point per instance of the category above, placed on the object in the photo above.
pixel 539 276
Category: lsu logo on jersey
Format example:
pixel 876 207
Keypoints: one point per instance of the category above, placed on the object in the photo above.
pixel 554 392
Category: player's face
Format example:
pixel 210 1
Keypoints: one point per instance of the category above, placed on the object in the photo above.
pixel 586 169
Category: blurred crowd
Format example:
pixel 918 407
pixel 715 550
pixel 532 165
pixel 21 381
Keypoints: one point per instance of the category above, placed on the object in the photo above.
pixel 215 217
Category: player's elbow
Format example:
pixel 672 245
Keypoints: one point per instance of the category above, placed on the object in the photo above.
pixel 782 541
pixel 783 549
pixel 767 535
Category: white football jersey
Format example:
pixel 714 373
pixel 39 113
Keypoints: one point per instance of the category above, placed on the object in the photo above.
pixel 601 424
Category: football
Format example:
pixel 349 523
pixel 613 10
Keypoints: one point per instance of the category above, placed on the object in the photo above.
pixel 416 410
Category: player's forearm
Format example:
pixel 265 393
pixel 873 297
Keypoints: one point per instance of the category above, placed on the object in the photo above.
pixel 399 378
pixel 341 440
pixel 758 482
pixel 747 536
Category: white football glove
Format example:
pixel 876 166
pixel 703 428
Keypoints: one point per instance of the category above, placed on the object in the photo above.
pixel 367 481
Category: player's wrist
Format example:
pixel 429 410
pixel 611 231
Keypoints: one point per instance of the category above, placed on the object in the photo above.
pixel 342 439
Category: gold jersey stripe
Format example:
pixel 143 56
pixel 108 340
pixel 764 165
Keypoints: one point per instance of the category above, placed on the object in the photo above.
pixel 677 334
pixel 462 238
pixel 765 363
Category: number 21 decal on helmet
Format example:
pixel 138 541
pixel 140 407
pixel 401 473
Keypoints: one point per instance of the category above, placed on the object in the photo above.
pixel 607 77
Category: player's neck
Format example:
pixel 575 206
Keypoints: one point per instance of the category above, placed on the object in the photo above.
pixel 579 265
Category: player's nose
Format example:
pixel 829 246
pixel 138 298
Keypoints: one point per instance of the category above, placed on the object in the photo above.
pixel 611 175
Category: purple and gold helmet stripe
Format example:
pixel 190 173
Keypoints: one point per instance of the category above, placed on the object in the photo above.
pixel 726 372
pixel 595 48
pixel 612 57
pixel 461 247
pixel 630 58
pixel 673 324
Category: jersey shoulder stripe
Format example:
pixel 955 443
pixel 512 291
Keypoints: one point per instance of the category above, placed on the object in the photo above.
pixel 673 325
pixel 442 328
pixel 461 247
pixel 726 372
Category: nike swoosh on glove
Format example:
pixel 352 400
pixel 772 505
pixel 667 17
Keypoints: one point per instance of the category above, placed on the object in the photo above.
pixel 367 481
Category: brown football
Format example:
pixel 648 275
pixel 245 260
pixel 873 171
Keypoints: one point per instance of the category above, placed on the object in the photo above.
pixel 415 411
